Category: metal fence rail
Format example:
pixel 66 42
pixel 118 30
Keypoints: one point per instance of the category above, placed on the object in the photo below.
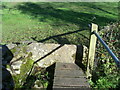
pixel 91 54
pixel 117 61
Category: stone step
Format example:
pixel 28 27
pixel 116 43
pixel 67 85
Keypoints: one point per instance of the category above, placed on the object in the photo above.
pixel 48 54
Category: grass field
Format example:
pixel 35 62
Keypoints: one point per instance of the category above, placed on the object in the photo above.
pixel 63 23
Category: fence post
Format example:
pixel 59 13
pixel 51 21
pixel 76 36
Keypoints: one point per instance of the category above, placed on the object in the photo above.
pixel 91 53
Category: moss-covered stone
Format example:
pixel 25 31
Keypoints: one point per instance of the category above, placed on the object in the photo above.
pixel 24 49
pixel 15 49
pixel 22 80
pixel 8 66
pixel 45 54
pixel 21 64
pixel 24 69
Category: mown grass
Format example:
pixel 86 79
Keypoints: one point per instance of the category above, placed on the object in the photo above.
pixel 54 22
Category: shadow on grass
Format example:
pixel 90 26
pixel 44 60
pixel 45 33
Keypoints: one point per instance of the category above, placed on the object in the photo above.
pixel 100 7
pixel 46 11
pixel 58 38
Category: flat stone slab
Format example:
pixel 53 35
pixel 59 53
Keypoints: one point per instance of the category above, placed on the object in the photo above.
pixel 47 54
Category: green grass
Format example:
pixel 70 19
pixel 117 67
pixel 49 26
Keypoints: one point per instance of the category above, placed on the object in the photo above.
pixel 44 22
pixel 63 23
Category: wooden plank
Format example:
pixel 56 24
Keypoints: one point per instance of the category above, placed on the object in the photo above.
pixel 69 73
pixel 71 88
pixel 61 66
pixel 72 82
pixel 91 50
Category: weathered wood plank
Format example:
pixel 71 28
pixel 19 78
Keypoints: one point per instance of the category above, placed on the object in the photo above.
pixel 71 88
pixel 71 82
pixel 92 47
pixel 61 66
pixel 69 73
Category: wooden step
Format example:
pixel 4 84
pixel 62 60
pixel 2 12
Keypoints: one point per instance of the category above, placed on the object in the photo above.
pixel 70 82
pixel 69 75
pixel 72 66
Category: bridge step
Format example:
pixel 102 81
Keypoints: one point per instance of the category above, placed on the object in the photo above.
pixel 69 75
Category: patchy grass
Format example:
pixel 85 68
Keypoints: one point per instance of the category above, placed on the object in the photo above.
pixel 54 22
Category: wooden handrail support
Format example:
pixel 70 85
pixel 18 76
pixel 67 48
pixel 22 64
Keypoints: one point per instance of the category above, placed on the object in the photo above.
pixel 91 53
